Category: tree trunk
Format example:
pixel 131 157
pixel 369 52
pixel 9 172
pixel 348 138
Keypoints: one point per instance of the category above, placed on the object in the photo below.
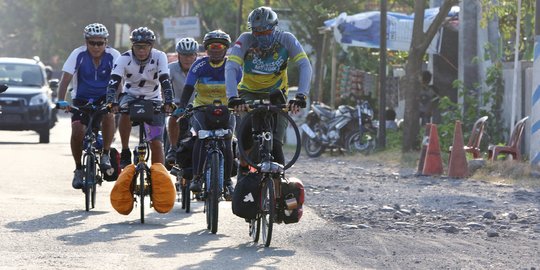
pixel 411 82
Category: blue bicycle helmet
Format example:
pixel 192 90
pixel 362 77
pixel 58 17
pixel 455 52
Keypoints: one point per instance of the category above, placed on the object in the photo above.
pixel 262 19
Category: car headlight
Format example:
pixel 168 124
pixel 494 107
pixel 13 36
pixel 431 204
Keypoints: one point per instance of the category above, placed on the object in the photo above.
pixel 38 99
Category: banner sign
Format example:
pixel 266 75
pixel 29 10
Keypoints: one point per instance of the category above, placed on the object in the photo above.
pixel 181 27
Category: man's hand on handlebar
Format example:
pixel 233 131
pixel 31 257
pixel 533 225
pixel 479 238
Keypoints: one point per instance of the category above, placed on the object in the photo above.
pixel 296 104
pixel 63 105
pixel 238 104
pixel 113 107
pixel 179 112
pixel 169 107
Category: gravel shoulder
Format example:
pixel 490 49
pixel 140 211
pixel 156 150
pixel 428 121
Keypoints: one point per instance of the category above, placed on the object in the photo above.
pixel 383 216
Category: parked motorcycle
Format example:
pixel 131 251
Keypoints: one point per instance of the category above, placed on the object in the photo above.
pixel 347 128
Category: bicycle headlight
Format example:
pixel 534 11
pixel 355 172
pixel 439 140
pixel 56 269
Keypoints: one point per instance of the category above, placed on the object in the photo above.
pixel 203 134
pixel 38 99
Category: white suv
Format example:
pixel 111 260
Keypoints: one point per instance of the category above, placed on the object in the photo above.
pixel 28 103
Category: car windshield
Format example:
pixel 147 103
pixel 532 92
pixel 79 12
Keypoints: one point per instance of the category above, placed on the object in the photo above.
pixel 21 75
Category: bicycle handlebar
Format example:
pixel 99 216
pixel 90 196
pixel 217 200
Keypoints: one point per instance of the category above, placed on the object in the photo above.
pixel 87 108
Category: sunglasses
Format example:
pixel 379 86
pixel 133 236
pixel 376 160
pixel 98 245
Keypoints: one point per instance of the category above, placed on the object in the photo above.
pixel 96 43
pixel 263 33
pixel 188 54
pixel 215 46
pixel 141 46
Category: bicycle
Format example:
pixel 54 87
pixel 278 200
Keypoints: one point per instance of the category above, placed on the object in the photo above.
pixel 142 180
pixel 91 152
pixel 271 205
pixel 213 140
pixel 183 171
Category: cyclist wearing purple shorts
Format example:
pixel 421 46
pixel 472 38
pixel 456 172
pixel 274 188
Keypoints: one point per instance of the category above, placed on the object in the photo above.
pixel 146 76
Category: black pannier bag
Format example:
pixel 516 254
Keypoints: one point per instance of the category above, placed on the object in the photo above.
pixel 246 196
pixel 112 174
pixel 292 199
pixel 216 117
pixel 184 156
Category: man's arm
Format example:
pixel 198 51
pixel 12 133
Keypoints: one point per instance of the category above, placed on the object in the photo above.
pixel 298 55
pixel 64 83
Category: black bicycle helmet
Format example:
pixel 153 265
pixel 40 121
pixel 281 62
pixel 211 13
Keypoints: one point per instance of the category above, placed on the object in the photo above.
pixel 217 36
pixel 262 19
pixel 142 35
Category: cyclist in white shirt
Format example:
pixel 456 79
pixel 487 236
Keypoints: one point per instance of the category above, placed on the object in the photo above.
pixel 146 76
pixel 186 49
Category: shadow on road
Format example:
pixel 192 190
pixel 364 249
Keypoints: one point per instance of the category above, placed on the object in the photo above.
pixel 59 220
pixel 19 143
pixel 241 256
pixel 107 233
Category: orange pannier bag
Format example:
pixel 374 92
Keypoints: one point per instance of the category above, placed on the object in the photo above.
pixel 163 191
pixel 122 192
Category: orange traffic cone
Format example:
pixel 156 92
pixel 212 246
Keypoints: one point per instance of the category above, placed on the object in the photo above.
pixel 433 162
pixel 457 165
pixel 425 142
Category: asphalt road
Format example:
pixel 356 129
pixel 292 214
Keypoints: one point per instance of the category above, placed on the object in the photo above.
pixel 43 224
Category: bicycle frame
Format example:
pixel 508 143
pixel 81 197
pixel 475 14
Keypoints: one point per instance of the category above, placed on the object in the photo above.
pixel 92 172
pixel 142 178
pixel 271 171
pixel 213 141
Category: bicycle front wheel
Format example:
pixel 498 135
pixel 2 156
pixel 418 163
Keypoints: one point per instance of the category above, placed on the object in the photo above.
pixel 213 194
pixel 141 194
pixel 268 210
pixel 89 182
pixel 186 195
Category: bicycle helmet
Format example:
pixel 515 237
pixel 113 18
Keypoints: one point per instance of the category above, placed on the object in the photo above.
pixel 142 35
pixel 95 30
pixel 262 19
pixel 187 46
pixel 217 36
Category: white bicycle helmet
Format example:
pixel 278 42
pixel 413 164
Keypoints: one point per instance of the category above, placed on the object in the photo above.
pixel 96 30
pixel 187 46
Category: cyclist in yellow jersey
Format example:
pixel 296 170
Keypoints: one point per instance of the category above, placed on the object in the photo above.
pixel 262 55
pixel 206 78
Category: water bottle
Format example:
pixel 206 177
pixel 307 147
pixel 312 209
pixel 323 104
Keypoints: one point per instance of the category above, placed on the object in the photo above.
pixel 99 141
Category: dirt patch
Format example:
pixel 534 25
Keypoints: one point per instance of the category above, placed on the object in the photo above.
pixel 386 217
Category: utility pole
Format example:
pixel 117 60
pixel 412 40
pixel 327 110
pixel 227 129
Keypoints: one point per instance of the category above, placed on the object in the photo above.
pixel 239 18
pixel 381 136
pixel 534 150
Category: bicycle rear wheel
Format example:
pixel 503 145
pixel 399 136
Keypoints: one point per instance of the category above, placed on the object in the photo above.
pixel 213 194
pixel 268 210
pixel 89 182
pixel 255 228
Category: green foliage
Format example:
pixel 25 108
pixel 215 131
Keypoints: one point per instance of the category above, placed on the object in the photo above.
pixel 487 104
pixel 506 12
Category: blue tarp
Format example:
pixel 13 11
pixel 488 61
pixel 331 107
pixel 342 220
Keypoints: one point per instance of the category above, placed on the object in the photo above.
pixel 363 29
